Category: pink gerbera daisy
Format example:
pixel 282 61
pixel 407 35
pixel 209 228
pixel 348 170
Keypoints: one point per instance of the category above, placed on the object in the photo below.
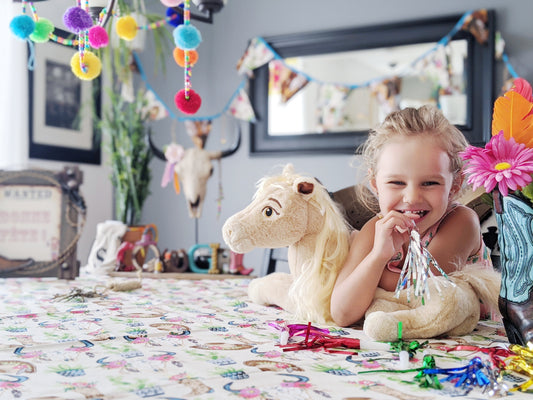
pixel 502 162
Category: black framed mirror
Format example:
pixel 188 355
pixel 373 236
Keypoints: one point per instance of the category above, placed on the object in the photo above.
pixel 276 134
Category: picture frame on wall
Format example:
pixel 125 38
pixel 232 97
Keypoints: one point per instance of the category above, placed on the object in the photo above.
pixel 62 107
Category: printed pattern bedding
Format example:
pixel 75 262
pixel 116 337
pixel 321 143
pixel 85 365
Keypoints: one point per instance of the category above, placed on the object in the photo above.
pixel 192 339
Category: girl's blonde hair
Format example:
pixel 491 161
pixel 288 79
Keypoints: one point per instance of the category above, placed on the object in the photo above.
pixel 426 120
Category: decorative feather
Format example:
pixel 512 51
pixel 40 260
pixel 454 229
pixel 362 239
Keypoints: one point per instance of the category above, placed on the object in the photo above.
pixel 521 86
pixel 513 115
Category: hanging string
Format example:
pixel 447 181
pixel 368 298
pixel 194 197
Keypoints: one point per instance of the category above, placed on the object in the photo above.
pixel 187 69
pixel 33 11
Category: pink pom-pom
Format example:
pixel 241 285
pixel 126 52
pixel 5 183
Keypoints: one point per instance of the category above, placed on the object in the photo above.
pixel 98 37
pixel 171 3
pixel 77 19
pixel 189 106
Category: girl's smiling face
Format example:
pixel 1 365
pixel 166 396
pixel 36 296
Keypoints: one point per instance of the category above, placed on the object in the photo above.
pixel 413 177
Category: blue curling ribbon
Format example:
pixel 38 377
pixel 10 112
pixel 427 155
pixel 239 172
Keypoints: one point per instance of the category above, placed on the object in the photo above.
pixel 471 374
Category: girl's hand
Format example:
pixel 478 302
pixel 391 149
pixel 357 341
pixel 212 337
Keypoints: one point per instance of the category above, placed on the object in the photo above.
pixel 391 232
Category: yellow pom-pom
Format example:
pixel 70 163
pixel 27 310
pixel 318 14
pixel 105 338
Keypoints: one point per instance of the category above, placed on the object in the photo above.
pixel 91 61
pixel 127 28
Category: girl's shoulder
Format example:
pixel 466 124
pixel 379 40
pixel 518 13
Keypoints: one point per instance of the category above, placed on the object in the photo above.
pixel 457 219
pixel 460 211
pixel 460 218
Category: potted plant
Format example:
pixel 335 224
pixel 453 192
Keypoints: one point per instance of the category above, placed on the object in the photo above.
pixel 126 126
pixel 124 120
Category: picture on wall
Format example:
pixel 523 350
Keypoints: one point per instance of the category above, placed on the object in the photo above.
pixel 62 107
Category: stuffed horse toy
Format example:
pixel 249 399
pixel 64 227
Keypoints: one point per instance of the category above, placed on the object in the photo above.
pixel 297 211
pixel 294 211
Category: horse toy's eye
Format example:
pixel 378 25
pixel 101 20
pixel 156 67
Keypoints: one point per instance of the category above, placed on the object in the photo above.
pixel 268 211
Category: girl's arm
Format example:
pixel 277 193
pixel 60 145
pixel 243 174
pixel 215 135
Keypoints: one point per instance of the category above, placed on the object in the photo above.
pixel 370 251
pixel 458 237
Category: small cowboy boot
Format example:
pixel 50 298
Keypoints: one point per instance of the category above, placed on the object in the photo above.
pixel 515 224
pixel 236 266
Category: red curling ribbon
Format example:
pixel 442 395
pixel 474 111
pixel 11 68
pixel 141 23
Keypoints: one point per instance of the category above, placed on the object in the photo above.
pixel 316 339
pixel 496 354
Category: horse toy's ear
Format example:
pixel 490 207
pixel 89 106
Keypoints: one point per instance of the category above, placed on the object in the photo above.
pixel 305 187
pixel 288 169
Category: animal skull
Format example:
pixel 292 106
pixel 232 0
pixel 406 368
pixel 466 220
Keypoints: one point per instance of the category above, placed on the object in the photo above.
pixel 194 170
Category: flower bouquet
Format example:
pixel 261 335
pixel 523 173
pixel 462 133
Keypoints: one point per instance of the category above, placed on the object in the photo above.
pixel 507 159
pixel 505 167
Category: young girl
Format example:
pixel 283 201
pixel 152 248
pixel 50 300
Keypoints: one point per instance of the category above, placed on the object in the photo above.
pixel 415 171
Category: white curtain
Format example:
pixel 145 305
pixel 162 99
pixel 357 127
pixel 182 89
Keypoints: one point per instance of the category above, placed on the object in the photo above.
pixel 14 92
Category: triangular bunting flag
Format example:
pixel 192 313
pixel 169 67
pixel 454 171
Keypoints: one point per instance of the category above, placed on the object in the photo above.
pixel 330 109
pixel 256 55
pixel 154 109
pixel 241 108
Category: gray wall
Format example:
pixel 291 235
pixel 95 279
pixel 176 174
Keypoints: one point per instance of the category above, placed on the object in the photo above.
pixel 215 78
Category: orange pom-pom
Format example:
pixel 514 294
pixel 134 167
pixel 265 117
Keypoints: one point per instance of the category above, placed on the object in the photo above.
pixel 91 61
pixel 127 28
pixel 179 57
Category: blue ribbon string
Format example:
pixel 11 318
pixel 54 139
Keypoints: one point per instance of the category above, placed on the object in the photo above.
pixel 509 66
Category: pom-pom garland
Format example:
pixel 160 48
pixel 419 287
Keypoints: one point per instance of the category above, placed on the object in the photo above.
pixel 98 37
pixel 174 18
pixel 179 57
pixel 22 26
pixel 126 27
pixel 187 37
pixel 43 28
pixel 90 61
pixel 190 105
pixel 171 3
pixel 77 20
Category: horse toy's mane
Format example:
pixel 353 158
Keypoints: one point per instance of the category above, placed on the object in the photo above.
pixel 311 224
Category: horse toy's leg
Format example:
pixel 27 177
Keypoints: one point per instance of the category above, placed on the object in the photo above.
pixel 454 311
pixel 272 289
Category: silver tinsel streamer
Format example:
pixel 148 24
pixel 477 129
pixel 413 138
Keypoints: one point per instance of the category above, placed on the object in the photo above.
pixel 416 270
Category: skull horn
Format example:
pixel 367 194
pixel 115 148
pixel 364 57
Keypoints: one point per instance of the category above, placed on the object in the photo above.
pixel 235 146
pixel 158 153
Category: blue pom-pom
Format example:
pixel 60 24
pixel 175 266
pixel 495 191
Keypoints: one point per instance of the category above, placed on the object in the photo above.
pixel 178 20
pixel 187 37
pixel 77 19
pixel 22 26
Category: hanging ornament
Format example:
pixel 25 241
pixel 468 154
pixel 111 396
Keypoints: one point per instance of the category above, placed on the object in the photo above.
pixel 22 26
pixel 187 38
pixel 43 28
pixel 98 37
pixel 179 57
pixel 127 27
pixel 174 18
pixel 77 20
pixel 190 104
pixel 93 65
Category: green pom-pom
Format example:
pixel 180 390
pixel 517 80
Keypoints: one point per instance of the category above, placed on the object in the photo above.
pixel 43 28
